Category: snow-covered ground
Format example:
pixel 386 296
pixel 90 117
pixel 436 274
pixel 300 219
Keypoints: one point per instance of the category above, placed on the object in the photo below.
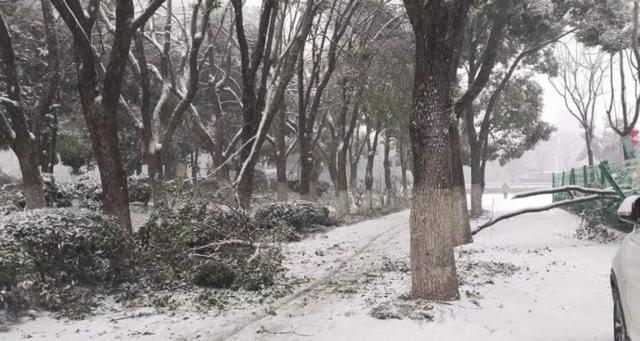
pixel 527 278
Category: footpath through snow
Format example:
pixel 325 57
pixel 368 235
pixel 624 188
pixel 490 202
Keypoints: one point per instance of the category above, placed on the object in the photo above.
pixel 527 278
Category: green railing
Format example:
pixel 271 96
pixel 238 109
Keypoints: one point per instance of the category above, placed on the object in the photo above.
pixel 623 178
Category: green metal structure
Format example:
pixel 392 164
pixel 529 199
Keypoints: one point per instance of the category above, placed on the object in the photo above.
pixel 623 178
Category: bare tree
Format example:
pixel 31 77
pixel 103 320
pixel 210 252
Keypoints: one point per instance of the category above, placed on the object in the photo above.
pixel 324 59
pixel 100 90
pixel 16 127
pixel 579 83
pixel 156 127
pixel 623 117
pixel 262 99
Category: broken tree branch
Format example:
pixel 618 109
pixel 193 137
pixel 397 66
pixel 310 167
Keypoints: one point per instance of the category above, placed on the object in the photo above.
pixel 566 189
pixel 542 208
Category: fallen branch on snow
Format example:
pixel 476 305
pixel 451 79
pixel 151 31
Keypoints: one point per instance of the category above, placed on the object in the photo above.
pixel 565 189
pixel 265 330
pixel 542 208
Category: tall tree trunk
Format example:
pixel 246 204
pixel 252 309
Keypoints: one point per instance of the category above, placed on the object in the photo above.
pixel 368 178
pixel 342 186
pixel 438 27
pixel 403 169
pixel 387 171
pixel 217 154
pixel 342 194
pixel 304 137
pixel 113 176
pixel 353 172
pixel 48 129
pixel 461 219
pixel 16 127
pixel 371 155
pixel 281 156
pixel 433 271
pixel 476 182
pixel 28 153
pixel 195 166
pixel 48 143
pixel 156 176
pixel 588 139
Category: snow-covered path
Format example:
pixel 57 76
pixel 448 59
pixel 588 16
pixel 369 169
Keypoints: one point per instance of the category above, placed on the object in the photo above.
pixel 560 291
pixel 524 279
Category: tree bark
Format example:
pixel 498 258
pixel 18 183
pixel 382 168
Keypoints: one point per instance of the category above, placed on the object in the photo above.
pixel 100 107
pixel 306 155
pixel 461 218
pixel 371 155
pixel 438 27
pixel 281 156
pixel 21 137
pixel 403 169
pixel 476 184
pixel 387 171
pixel 48 130
pixel 588 139
pixel 28 154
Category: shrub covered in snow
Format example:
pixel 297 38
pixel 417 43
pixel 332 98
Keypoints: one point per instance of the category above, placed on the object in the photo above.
pixel 11 200
pixel 139 189
pixel 301 215
pixel 211 246
pixel 49 258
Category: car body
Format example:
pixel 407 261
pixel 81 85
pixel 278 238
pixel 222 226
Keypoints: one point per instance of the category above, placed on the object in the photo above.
pixel 625 276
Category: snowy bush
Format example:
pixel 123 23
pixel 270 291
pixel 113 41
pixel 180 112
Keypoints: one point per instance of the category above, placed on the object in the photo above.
pixel 49 258
pixel 11 200
pixel 211 246
pixel 301 215
pixel 75 152
pixel 139 189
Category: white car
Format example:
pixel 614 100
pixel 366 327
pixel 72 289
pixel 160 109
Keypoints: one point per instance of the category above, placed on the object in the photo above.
pixel 625 276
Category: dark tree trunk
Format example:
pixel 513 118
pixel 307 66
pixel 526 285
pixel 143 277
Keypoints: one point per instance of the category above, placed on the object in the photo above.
pixel 49 140
pixel 100 107
pixel 281 156
pixel 16 127
pixel 151 155
pixel 461 219
pixel 588 139
pixel 476 182
pixel 195 166
pixel 371 154
pixel 306 154
pixel 388 186
pixel 403 169
pixel 353 172
pixel 342 186
pixel 345 131
pixel 217 154
pixel 28 154
pixel 49 118
pixel 438 27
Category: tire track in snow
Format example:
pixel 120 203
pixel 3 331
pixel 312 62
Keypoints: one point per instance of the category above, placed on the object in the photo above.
pixel 316 284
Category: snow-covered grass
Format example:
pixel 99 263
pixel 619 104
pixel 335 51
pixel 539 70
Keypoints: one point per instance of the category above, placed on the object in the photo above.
pixel 526 278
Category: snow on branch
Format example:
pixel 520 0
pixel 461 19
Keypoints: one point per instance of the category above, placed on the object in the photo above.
pixel 542 208
pixel 146 14
pixel 581 189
